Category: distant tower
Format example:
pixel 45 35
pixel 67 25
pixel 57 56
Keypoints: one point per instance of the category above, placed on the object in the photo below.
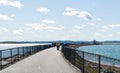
pixel 95 42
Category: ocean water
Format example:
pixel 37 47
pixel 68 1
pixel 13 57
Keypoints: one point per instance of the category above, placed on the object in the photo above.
pixel 8 46
pixel 112 51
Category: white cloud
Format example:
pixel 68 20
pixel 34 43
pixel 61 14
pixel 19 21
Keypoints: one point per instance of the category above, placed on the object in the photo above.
pixel 82 27
pixel 90 23
pixel 44 27
pixel 5 17
pixel 76 31
pixel 99 35
pixel 105 35
pixel 54 28
pixel 75 12
pixel 16 4
pixel 3 29
pixel 109 27
pixel 86 15
pixel 48 21
pixel 12 15
pixel 43 10
pixel 71 13
pixel 36 26
pixel 67 36
pixel 79 26
pixel 18 32
pixel 118 33
pixel 114 26
pixel 99 19
pixel 70 9
pixel 108 31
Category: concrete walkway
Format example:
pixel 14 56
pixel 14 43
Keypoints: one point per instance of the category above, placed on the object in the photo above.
pixel 46 61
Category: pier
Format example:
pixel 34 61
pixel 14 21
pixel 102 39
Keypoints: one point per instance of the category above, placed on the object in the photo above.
pixel 47 61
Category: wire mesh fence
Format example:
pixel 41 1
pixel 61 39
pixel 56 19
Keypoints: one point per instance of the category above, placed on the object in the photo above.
pixel 91 63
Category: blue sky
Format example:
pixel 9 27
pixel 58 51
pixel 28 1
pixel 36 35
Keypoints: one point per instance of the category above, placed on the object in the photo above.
pixel 41 20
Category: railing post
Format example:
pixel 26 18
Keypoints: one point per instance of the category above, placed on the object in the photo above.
pixel 11 55
pixel 43 46
pixel 23 51
pixel 99 64
pixel 18 53
pixel 39 48
pixel 70 55
pixel 74 57
pixel 27 53
pixel 1 60
pixel 83 62
pixel 31 50
pixel 34 49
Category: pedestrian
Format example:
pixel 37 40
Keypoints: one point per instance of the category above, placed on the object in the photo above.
pixel 58 45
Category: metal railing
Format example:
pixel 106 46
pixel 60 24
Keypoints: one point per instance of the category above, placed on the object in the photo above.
pixel 10 56
pixel 91 63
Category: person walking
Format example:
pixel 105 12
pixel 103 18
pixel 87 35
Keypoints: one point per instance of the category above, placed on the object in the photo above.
pixel 58 45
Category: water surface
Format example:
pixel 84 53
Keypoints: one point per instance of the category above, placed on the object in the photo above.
pixel 111 51
pixel 105 50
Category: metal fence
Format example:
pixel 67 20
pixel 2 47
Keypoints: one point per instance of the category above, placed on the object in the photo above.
pixel 10 56
pixel 91 63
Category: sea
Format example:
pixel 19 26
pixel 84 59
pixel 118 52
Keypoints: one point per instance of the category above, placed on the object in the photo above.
pixel 110 54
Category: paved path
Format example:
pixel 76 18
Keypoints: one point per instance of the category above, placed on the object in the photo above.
pixel 46 61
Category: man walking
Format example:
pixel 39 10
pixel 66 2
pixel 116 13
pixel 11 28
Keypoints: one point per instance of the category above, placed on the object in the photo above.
pixel 58 45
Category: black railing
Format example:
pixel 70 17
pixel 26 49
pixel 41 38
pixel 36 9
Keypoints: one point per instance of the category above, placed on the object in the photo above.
pixel 10 56
pixel 91 63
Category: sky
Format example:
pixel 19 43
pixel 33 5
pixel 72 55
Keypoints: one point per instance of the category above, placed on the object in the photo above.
pixel 47 20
